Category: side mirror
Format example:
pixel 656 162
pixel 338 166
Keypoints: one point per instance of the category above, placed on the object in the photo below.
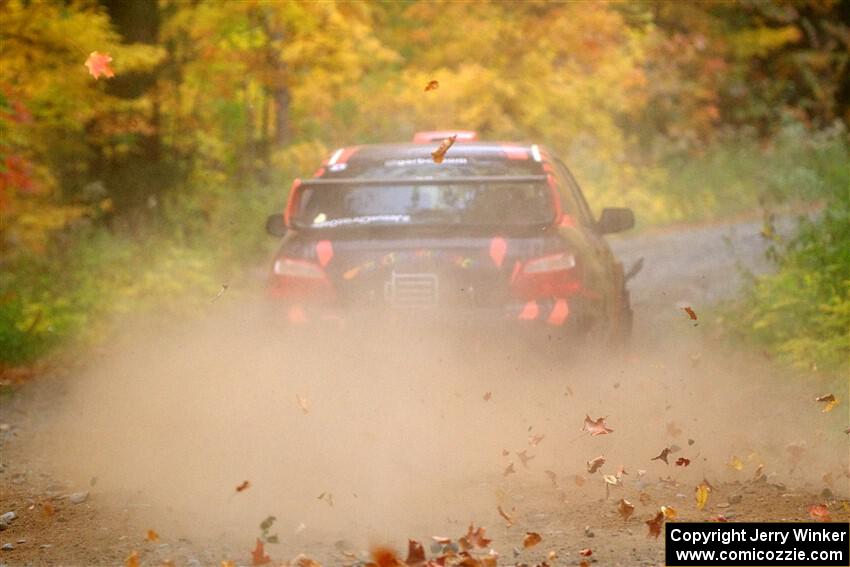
pixel 615 220
pixel 275 225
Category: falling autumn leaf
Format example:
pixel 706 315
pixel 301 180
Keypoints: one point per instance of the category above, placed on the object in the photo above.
pixel 594 464
pixel 505 452
pixel 682 462
pixel 820 513
pixel 829 400
pixel 610 479
pixel 440 153
pixel 597 427
pixel 691 313
pixel 132 560
pixel 662 456
pixel 736 463
pixel 625 508
pixel 509 470
pixel 474 538
pixel 758 474
pixel 535 440
pixel 524 457
pixel 505 516
pixel 580 480
pixel 645 498
pixel 654 524
pixel 586 552
pixel 553 478
pixel 531 539
pixel 244 486
pixel 47 509
pixel 98 64
pixel 302 403
pixel 152 536
pixel 258 555
pixel 621 472
pixel 669 512
pixel 701 494
pixel 432 85
pixel 228 564
pixel 487 396
pixel 415 553
pixel 441 539
pixel 385 557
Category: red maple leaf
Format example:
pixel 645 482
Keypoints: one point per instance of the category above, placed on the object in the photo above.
pixel 98 64
pixel 597 427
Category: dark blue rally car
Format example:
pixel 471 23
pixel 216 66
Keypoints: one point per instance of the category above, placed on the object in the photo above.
pixel 496 232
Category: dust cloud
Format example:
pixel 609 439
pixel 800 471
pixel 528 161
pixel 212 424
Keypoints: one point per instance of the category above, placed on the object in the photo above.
pixel 399 440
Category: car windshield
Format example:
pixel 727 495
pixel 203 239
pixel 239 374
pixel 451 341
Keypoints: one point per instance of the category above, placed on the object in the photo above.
pixel 477 204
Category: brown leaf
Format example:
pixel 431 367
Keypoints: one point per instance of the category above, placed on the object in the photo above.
pixel 385 557
pixel 244 486
pixel 132 560
pixel 505 515
pixel 487 396
pixel 669 512
pixel 654 524
pixel 474 538
pixel 580 480
pixel 258 555
pixel 505 452
pixel 524 457
pixel 597 427
pixel 621 471
pixel 509 470
pixel 682 462
pixel 440 153
pixel 432 85
pixel 303 561
pixel 625 508
pixel 531 539
pixel 47 509
pixel 152 536
pixel 662 456
pixel 829 400
pixel 595 464
pixel 586 552
pixel 98 64
pixel 691 313
pixel 415 553
pixel 644 498
pixel 552 477
pixel 820 512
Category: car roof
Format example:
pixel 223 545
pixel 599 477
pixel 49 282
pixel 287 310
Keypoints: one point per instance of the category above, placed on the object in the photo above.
pixel 410 150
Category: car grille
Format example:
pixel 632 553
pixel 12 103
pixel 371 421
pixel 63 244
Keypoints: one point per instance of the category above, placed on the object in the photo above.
pixel 412 291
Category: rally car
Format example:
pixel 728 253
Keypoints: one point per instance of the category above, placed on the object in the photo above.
pixel 496 233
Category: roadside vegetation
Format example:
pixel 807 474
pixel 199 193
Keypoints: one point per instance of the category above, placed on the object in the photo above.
pixel 149 189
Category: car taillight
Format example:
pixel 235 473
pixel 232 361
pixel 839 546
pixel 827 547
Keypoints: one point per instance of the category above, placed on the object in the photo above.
pixel 553 263
pixel 297 269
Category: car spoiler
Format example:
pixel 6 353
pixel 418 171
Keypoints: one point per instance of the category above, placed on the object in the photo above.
pixel 424 180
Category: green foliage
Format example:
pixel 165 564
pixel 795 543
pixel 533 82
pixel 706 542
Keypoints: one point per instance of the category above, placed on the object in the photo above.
pixel 802 312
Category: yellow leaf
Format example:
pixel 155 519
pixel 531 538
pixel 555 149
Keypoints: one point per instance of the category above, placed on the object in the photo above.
pixel 132 560
pixel 152 536
pixel 702 492
pixel 670 513
pixel 736 463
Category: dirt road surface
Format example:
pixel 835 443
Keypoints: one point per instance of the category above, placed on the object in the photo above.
pixel 370 438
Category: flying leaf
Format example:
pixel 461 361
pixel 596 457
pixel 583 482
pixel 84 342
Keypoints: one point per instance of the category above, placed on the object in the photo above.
pixel 487 396
pixel 440 153
pixel 586 552
pixel 645 498
pixel 509 470
pixel 625 508
pixel 758 474
pixel 669 512
pixel 432 85
pixel 98 64
pixel 441 539
pixel 152 536
pixel 611 479
pixel 535 440
pixel 682 462
pixel 654 524
pixel 552 477
pixel 244 486
pixel 302 403
pixel 505 515
pixel 132 560
pixel 597 427
pixel 819 512
pixel 524 457
pixel 736 463
pixel 701 493
pixel 228 564
pixel 258 555
pixel 662 456
pixel 595 464
pixel 829 400
pixel 531 539
pixel 415 553
pixel 579 480
pixel 385 557
pixel 691 313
